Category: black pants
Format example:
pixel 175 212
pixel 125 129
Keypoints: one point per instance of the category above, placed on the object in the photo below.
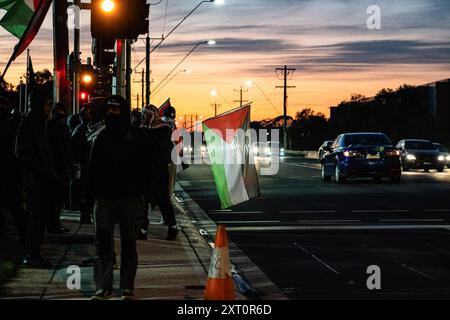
pixel 107 212
pixel 59 200
pixel 40 204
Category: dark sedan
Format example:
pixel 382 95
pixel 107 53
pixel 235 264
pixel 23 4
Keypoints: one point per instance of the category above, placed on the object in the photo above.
pixel 420 154
pixel 355 155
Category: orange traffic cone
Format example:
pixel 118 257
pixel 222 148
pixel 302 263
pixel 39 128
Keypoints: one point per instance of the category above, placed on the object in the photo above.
pixel 220 282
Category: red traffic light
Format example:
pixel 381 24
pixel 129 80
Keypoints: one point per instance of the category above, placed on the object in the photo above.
pixel 83 95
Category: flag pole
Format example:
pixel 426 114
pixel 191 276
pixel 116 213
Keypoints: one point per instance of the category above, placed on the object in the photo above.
pixel 27 81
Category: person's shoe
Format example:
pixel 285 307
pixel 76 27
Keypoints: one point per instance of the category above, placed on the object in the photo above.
pixel 37 262
pixel 64 229
pixel 142 234
pixel 127 294
pixel 103 294
pixel 172 234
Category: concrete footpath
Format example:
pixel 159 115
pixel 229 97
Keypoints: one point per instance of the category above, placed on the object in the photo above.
pixel 167 270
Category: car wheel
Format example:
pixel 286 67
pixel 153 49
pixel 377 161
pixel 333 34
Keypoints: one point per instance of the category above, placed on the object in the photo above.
pixel 338 176
pixel 427 170
pixel 325 177
pixel 405 168
pixel 396 179
pixel 440 169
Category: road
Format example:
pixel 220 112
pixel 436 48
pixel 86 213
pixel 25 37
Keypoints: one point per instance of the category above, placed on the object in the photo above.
pixel 316 240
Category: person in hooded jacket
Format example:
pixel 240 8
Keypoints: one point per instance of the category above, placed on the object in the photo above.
pixel 11 213
pixel 34 153
pixel 161 135
pixel 118 188
pixel 61 150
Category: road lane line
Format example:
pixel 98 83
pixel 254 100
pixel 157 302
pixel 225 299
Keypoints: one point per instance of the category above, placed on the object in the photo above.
pixel 318 211
pixel 412 220
pixel 379 211
pixel 418 272
pixel 338 228
pixel 437 210
pixel 437 248
pixel 220 210
pixel 327 221
pixel 316 258
pixel 246 222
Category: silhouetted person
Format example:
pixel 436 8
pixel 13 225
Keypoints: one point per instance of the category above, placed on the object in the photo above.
pixel 39 174
pixel 160 134
pixel 11 211
pixel 61 152
pixel 136 118
pixel 118 186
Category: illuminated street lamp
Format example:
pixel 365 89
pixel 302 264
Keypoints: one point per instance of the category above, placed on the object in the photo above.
pixel 108 5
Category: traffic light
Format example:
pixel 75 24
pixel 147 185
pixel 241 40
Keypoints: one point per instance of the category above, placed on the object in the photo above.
pixel 87 82
pixel 119 19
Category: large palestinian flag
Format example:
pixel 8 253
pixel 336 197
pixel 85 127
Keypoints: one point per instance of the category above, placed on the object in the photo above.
pixel 230 154
pixel 23 19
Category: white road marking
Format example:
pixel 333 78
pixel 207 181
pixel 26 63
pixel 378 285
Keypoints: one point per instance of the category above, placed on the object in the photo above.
pixel 379 211
pixel 338 228
pixel 318 211
pixel 437 210
pixel 418 272
pixel 316 258
pixel 328 221
pixel 437 248
pixel 303 165
pixel 412 220
pixel 245 222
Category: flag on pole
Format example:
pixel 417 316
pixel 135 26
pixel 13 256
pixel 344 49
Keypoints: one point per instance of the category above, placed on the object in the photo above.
pixel 230 154
pixel 164 106
pixel 23 19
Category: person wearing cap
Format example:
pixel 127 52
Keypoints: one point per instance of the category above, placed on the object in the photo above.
pixel 117 187
pixel 35 156
pixel 61 150
pixel 160 134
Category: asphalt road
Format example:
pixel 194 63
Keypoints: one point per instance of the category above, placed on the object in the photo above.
pixel 316 239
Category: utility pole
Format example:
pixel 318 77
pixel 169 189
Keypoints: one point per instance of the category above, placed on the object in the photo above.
pixel 77 66
pixel 61 88
pixel 241 101
pixel 128 71
pixel 216 106
pixel 143 87
pixel 147 69
pixel 285 72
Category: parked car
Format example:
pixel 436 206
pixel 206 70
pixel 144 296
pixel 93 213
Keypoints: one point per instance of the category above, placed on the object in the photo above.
pixel 420 154
pixel 324 148
pixel 354 155
pixel 445 153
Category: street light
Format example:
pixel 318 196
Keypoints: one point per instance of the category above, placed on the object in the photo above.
pixel 108 5
pixel 155 92
pixel 216 93
pixel 210 43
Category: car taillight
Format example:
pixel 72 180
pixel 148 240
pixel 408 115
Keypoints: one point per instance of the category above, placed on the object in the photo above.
pixel 352 154
pixel 393 153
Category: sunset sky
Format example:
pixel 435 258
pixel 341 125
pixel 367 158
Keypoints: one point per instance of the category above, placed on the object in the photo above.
pixel 327 41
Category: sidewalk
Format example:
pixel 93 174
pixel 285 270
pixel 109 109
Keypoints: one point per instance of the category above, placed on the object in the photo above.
pixel 167 270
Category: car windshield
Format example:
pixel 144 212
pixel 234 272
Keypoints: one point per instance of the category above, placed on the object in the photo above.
pixel 420 145
pixel 366 140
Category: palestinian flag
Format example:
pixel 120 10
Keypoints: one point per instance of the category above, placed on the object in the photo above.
pixel 230 153
pixel 23 19
pixel 164 106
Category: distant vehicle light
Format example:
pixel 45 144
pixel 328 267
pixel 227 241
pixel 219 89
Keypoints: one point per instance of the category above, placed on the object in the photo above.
pixel 411 157
pixel 255 149
pixel 267 150
pixel 347 154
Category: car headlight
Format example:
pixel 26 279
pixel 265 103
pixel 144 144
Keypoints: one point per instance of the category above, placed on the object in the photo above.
pixel 255 149
pixel 185 149
pixel 441 158
pixel 411 157
pixel 447 158
pixel 267 150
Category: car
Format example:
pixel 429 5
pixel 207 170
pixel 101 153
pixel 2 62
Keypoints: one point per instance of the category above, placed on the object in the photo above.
pixel 260 149
pixel 445 153
pixel 275 146
pixel 324 148
pixel 420 154
pixel 364 154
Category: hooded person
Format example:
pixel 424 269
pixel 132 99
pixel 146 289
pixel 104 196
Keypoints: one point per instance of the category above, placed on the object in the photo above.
pixel 61 151
pixel 160 134
pixel 117 187
pixel 34 152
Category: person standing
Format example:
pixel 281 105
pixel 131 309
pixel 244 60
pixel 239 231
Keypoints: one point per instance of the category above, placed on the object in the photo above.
pixel 117 187
pixel 161 135
pixel 34 153
pixel 61 151
pixel 11 211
